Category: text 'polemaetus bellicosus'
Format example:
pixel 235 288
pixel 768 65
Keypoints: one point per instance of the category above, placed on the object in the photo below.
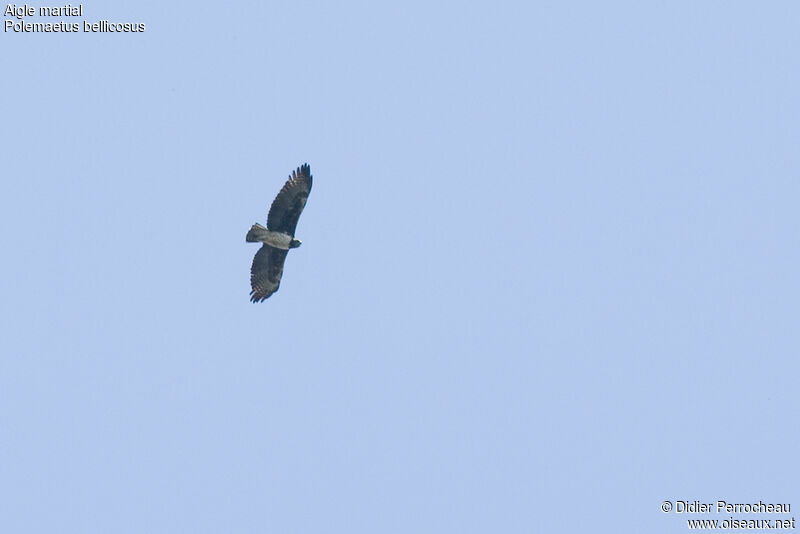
pixel 278 236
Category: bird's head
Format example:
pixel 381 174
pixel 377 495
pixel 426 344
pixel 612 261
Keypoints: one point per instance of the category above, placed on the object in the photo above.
pixel 295 243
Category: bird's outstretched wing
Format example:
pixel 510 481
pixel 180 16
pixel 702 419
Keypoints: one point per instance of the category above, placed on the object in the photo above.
pixel 266 272
pixel 288 205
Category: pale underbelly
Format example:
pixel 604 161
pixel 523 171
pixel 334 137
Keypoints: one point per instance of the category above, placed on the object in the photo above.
pixel 278 240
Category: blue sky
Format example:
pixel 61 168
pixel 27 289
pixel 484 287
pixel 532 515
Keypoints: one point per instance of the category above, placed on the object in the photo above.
pixel 548 279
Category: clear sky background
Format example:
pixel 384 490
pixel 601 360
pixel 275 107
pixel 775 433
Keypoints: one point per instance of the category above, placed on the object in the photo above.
pixel 549 273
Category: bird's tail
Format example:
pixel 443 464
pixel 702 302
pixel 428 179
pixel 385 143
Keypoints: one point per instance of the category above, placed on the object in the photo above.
pixel 257 233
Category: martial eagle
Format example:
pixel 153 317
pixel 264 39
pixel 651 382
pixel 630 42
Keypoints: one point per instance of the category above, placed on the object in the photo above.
pixel 278 236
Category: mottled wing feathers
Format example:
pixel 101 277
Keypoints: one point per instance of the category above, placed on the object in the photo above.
pixel 266 272
pixel 288 205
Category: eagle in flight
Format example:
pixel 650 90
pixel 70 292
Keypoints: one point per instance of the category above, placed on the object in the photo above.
pixel 278 236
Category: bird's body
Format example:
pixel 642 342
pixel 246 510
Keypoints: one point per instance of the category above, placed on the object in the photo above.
pixel 274 239
pixel 278 236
